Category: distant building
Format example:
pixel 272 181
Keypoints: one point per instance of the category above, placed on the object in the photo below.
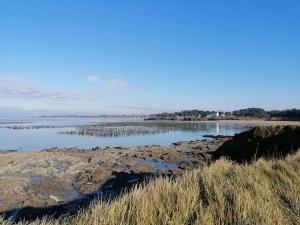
pixel 223 115
pixel 213 115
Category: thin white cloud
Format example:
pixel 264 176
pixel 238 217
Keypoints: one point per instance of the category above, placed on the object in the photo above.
pixel 17 88
pixel 112 84
pixel 31 96
pixel 93 78
pixel 14 87
pixel 117 84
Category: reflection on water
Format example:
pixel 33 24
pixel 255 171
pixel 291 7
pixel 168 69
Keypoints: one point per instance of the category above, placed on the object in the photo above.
pixel 55 132
pixel 160 165
pixel 132 128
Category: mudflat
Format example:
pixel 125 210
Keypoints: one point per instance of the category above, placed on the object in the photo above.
pixel 64 177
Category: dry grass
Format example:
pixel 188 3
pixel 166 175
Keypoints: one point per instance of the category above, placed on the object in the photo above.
pixel 265 192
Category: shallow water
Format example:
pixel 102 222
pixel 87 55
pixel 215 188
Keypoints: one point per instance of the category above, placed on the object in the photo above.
pixel 37 139
pixel 35 180
pixel 160 165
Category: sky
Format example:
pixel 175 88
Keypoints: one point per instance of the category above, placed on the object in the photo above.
pixel 143 57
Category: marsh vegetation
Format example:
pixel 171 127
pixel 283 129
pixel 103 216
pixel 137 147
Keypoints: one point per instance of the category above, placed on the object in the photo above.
pixel 130 128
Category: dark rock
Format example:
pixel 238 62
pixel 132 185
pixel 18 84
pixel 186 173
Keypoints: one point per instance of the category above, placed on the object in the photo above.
pixel 217 136
pixel 182 167
pixel 267 142
pixel 7 151
pixel 90 180
pixel 177 143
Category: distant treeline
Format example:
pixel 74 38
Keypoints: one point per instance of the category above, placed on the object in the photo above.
pixel 187 113
pixel 289 114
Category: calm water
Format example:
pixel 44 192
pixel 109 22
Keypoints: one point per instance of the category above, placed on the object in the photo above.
pixel 37 139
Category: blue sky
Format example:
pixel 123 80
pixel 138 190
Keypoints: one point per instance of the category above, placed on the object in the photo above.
pixel 148 56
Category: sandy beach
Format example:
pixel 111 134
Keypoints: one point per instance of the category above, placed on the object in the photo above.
pixel 256 122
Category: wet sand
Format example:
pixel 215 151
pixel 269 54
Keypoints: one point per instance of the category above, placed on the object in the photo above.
pixel 255 122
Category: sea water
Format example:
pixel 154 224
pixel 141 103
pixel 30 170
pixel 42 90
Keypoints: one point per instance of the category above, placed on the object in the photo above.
pixel 43 138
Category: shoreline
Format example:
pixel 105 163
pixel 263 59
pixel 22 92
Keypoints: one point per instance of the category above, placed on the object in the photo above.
pixel 246 122
pixel 258 122
pixel 29 180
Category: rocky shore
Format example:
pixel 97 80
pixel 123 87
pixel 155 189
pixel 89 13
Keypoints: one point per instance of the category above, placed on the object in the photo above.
pixel 62 181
